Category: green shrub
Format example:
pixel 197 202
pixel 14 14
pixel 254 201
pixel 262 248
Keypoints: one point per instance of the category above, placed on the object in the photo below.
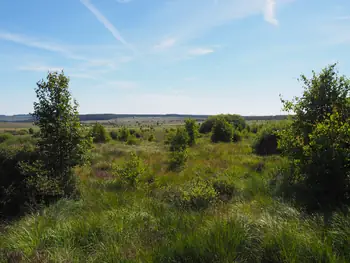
pixel 124 134
pixel 131 171
pixel 132 140
pixel 225 187
pixel 31 131
pixel 237 136
pixel 266 141
pixel 192 131
pixel 151 138
pixel 22 132
pixel 5 137
pixel 178 141
pixel 318 141
pixel 113 135
pixel 222 131
pixel 99 133
pixel 237 122
pixel 177 160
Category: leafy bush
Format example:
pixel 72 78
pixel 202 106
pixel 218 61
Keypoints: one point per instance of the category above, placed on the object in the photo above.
pixel 177 160
pixel 192 130
pixel 31 131
pixel 237 136
pixel 225 187
pixel 222 131
pixel 237 122
pixel 266 141
pixel 5 137
pixel 22 132
pixel 99 133
pixel 113 135
pixel 132 140
pixel 124 134
pixel 131 171
pixel 14 192
pixel 318 141
pixel 178 141
pixel 195 194
pixel 151 137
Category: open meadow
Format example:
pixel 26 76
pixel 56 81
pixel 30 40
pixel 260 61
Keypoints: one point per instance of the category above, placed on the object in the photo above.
pixel 220 189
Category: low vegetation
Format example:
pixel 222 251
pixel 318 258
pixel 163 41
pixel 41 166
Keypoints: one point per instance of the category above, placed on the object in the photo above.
pixel 237 192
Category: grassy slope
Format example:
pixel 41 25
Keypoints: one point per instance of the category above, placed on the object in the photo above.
pixel 173 217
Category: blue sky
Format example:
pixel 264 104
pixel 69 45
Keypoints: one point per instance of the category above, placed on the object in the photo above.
pixel 170 56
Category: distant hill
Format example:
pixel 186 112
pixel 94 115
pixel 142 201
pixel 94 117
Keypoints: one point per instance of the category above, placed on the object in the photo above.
pixel 104 117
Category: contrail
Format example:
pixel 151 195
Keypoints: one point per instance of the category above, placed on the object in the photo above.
pixel 100 17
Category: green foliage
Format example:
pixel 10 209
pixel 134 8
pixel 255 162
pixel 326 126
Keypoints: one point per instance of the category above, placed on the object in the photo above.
pixel 192 130
pixel 177 160
pixel 5 137
pixel 266 140
pixel 132 140
pixel 222 131
pixel 132 170
pixel 62 142
pixel 31 131
pixel 124 134
pixel 151 137
pixel 237 136
pixel 178 141
pixel 99 133
pixel 237 122
pixel 318 141
pixel 113 135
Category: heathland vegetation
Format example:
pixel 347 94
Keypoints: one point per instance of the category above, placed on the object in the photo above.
pixel 225 190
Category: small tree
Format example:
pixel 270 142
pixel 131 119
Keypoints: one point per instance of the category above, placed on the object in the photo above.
pixel 192 131
pixel 62 141
pixel 178 149
pixel 222 131
pixel 318 141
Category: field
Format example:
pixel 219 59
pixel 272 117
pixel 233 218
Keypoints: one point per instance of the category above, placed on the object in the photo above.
pixel 222 207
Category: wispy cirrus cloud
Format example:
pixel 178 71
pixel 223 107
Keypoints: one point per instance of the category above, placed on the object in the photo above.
pixel 39 44
pixel 165 44
pixel 200 51
pixel 107 24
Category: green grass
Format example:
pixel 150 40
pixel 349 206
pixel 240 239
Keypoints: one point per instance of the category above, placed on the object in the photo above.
pixel 219 208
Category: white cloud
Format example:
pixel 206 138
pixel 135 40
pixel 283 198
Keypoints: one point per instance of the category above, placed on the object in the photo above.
pixel 200 51
pixel 100 17
pixel 270 12
pixel 165 44
pixel 35 43
pixel 40 68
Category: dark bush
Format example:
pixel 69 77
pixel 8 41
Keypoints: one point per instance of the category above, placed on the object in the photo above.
pixel 99 133
pixel 318 141
pixel 237 136
pixel 5 137
pixel 124 134
pixel 237 122
pixel 31 131
pixel 192 130
pixel 266 141
pixel 113 135
pixel 222 131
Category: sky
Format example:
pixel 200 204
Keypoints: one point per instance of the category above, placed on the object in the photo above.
pixel 170 56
